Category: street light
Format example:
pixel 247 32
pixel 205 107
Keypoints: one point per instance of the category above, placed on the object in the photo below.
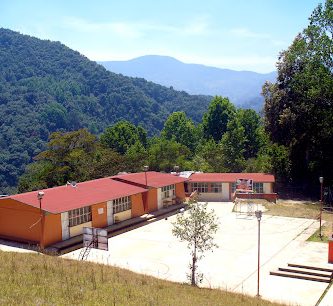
pixel 145 169
pixel 321 181
pixel 40 196
pixel 258 214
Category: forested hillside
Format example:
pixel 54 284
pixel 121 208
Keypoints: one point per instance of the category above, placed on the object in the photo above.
pixel 242 87
pixel 45 87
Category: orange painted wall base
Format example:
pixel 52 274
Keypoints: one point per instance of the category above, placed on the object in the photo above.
pixel 330 250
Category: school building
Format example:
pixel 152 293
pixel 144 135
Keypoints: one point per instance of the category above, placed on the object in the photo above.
pixel 60 213
pixel 222 186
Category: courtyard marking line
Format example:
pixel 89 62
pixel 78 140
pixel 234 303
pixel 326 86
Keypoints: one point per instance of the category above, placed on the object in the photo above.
pixel 270 258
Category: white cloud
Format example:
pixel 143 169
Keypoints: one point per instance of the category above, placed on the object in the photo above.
pixel 118 28
pixel 136 29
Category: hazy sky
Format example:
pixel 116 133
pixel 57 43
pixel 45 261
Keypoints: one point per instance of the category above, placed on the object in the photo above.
pixel 235 34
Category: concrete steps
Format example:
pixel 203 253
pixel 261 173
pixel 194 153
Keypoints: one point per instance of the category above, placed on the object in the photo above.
pixel 304 272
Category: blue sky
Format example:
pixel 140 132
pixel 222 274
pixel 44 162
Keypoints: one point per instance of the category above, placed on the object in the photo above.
pixel 238 34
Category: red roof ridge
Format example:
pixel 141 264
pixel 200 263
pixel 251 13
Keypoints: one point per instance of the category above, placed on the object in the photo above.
pixel 65 197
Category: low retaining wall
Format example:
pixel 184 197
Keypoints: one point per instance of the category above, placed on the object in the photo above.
pixel 272 197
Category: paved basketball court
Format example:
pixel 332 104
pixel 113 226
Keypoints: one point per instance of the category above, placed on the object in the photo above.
pixel 153 250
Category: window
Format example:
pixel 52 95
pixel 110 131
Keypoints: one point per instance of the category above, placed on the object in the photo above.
pixel 168 191
pixel 79 216
pixel 258 187
pixel 121 204
pixel 216 187
pixel 233 187
pixel 200 187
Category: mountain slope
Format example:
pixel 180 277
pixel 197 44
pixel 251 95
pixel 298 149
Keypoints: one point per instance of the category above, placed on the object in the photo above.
pixel 45 86
pixel 242 87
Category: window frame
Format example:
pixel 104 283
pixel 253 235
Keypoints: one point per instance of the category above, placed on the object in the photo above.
pixel 258 187
pixel 168 191
pixel 79 216
pixel 216 187
pixel 121 204
pixel 200 187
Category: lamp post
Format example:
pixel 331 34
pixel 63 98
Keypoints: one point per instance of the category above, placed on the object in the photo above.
pixel 40 196
pixel 321 181
pixel 145 169
pixel 258 215
pixel 176 168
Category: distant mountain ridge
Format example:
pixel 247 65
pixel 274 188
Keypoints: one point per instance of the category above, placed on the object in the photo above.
pixel 242 87
pixel 47 87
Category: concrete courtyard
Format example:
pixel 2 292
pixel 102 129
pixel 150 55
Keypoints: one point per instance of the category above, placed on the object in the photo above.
pixel 153 250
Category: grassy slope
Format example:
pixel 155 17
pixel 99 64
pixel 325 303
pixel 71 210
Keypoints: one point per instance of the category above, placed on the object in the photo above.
pixel 33 279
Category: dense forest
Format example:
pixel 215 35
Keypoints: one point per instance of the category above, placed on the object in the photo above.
pixel 47 87
pixel 299 106
pixel 227 140
pixel 104 123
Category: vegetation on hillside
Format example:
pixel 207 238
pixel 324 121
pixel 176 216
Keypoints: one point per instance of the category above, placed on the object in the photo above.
pixel 34 279
pixel 47 87
pixel 80 156
pixel 299 106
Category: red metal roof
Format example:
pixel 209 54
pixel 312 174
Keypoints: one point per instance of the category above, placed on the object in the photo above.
pixel 65 198
pixel 231 177
pixel 154 179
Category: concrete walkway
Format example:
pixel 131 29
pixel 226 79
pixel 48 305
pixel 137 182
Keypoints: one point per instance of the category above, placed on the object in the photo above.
pixel 75 242
pixel 153 250
pixel 328 298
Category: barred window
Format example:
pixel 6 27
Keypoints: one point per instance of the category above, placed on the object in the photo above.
pixel 258 187
pixel 168 191
pixel 79 216
pixel 216 187
pixel 122 204
pixel 200 187
pixel 233 187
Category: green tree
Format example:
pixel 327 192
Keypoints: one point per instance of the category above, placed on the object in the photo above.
pixel 232 146
pixel 164 154
pixel 181 129
pixel 253 131
pixel 122 135
pixel 35 176
pixel 107 162
pixel 215 121
pixel 209 157
pixel 135 158
pixel 71 156
pixel 55 116
pixel 197 227
pixel 298 107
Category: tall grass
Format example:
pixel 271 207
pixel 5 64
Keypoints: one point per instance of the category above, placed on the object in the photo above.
pixel 35 279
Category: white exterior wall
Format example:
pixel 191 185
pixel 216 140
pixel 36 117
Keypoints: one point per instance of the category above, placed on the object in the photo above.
pixel 78 229
pixel 267 187
pixel 159 198
pixel 210 197
pixel 225 192
pixel 123 215
pixel 109 212
pixel 64 225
